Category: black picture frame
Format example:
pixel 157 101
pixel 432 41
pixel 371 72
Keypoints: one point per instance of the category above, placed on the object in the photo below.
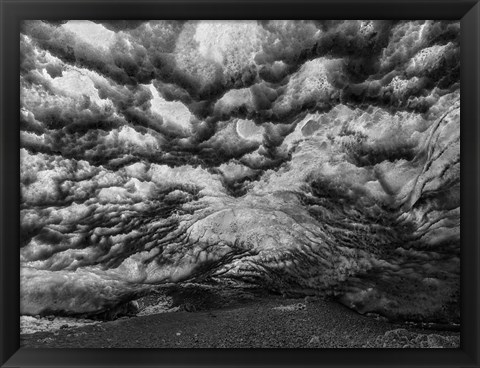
pixel 13 11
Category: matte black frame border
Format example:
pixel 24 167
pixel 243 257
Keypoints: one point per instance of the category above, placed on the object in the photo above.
pixel 12 11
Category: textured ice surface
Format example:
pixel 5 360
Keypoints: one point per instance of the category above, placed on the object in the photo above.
pixel 304 157
pixel 29 324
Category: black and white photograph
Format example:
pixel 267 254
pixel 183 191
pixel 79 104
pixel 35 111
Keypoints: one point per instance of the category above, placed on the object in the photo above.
pixel 240 184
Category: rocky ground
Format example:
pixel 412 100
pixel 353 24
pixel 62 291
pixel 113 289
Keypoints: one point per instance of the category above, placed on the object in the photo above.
pixel 206 318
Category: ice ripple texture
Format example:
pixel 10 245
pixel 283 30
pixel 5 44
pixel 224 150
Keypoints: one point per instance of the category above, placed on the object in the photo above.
pixel 306 157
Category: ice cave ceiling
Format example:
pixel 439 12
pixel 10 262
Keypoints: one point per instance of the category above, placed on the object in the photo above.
pixel 301 156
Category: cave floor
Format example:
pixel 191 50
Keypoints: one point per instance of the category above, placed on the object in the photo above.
pixel 272 322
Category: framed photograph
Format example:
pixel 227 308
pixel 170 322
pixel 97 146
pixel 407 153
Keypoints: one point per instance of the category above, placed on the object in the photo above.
pixel 240 183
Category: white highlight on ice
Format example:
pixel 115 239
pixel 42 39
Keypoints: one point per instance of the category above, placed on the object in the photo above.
pixel 228 42
pixel 173 111
pixel 92 33
pixel 248 130
pixel 75 84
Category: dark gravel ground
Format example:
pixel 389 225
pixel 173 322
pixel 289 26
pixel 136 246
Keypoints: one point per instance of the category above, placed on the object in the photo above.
pixel 253 323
